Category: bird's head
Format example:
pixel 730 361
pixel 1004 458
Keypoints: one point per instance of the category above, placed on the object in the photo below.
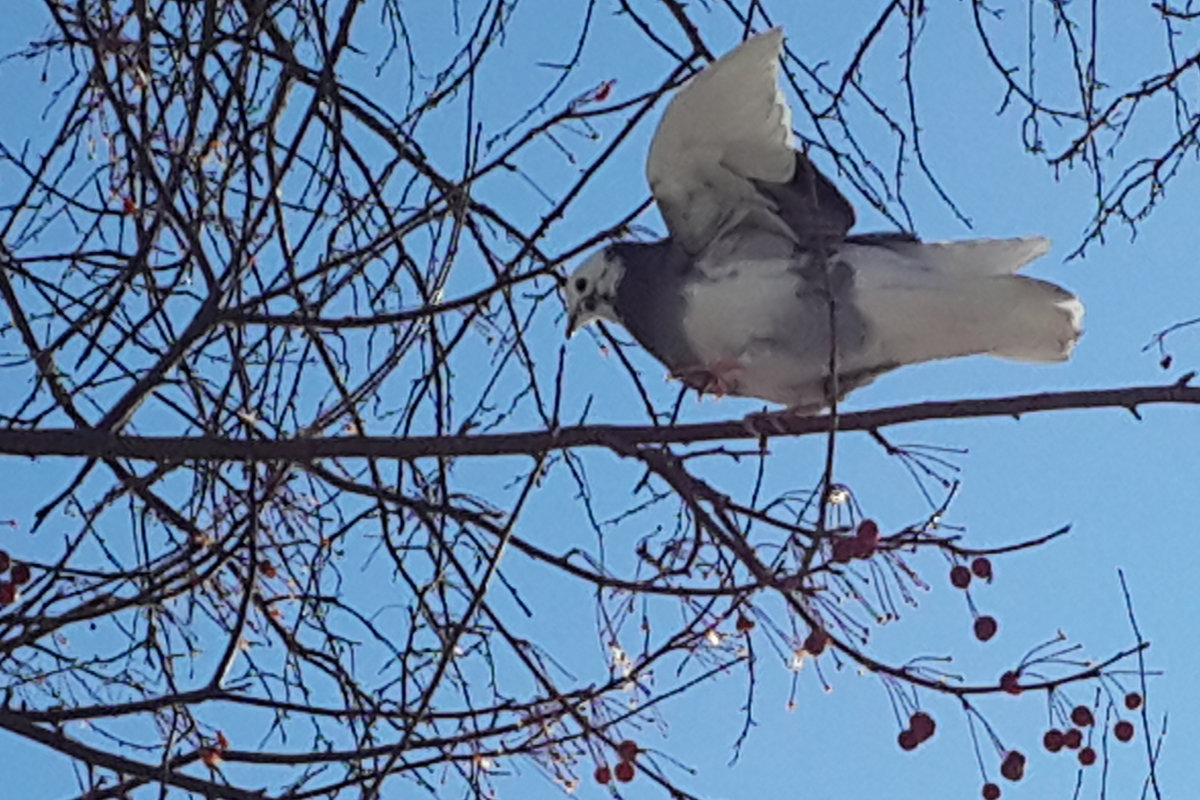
pixel 592 290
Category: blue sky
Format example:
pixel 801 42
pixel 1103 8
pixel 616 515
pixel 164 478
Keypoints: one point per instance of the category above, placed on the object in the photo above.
pixel 1126 487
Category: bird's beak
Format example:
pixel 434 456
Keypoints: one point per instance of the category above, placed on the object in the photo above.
pixel 572 323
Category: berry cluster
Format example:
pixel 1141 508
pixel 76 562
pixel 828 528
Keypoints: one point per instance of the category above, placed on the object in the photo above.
pixel 921 728
pixel 961 577
pixel 1055 740
pixel 627 752
pixel 1012 768
pixel 18 573
pixel 211 754
pixel 816 642
pixel 1013 765
pixel 862 544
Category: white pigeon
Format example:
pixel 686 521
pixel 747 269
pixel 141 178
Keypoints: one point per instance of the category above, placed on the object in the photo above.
pixel 737 300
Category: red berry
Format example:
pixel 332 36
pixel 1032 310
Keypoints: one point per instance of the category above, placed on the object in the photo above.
pixel 628 750
pixel 1052 740
pixel 625 771
pixel 603 774
pixel 1123 730
pixel 815 642
pixel 8 593
pixel 1082 716
pixel 1133 700
pixel 744 623
pixel 1013 766
pixel 922 725
pixel 1072 739
pixel 1010 682
pixel 868 534
pixel 982 568
pixel 20 573
pixel 846 550
pixel 908 740
pixel 960 577
pixel 991 791
pixel 985 627
pixel 1087 756
pixel 4 560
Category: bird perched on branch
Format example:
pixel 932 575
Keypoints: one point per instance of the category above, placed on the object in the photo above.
pixel 760 266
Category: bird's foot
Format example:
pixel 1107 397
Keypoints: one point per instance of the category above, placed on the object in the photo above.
pixel 717 378
pixel 765 423
pixel 773 423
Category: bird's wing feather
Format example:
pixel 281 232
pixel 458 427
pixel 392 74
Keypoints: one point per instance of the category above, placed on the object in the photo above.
pixel 723 157
pixel 979 257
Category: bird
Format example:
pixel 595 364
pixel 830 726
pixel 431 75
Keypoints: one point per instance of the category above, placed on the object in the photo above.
pixel 760 290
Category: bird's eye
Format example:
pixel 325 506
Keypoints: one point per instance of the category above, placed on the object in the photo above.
pixel 589 304
pixel 580 284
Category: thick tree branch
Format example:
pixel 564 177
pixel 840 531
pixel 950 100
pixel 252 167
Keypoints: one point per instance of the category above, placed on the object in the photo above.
pixel 100 444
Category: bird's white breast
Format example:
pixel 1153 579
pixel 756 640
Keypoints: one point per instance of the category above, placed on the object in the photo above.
pixel 743 319
pixel 725 314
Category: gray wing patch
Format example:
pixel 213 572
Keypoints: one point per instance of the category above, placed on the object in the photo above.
pixel 892 240
pixel 810 205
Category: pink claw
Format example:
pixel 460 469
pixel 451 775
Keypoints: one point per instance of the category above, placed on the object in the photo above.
pixel 712 379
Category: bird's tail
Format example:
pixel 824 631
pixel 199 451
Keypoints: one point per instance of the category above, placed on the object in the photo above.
pixel 974 256
pixel 1028 319
pixel 923 312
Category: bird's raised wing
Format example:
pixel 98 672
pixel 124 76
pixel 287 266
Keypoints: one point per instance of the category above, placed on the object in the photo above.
pixel 723 157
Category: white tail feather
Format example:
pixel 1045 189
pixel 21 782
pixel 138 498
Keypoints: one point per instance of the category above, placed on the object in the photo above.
pixel 923 305
pixel 975 256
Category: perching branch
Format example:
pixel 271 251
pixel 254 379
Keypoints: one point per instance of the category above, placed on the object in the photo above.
pixel 99 444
